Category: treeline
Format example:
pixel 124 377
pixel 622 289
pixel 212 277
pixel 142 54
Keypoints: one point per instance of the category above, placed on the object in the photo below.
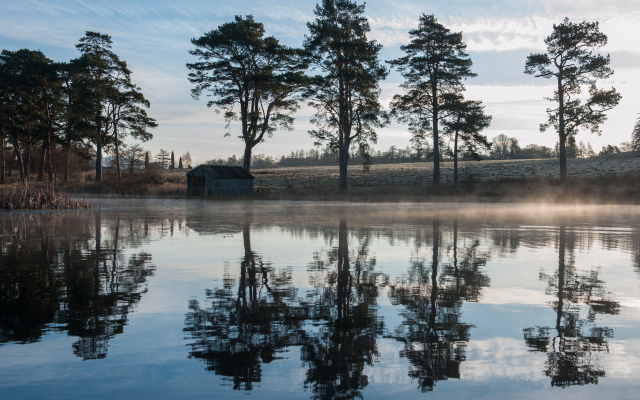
pixel 56 116
pixel 502 148
pixel 253 79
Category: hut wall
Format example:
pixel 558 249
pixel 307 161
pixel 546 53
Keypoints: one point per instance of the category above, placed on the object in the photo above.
pixel 197 191
pixel 216 187
pixel 228 187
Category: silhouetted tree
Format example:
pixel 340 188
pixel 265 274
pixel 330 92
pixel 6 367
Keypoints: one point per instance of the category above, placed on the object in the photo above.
pixel 96 80
pixel 133 157
pixel 163 158
pixel 465 121
pixel 435 64
pixel 635 136
pixel 30 98
pixel 240 66
pixel 571 62
pixel 345 93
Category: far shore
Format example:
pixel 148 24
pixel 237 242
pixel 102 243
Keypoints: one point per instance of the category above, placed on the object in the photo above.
pixel 600 180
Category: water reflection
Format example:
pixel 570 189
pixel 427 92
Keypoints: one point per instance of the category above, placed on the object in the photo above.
pixel 248 322
pixel 433 333
pixel 343 307
pixel 59 274
pixel 339 307
pixel 572 353
pixel 256 316
pixel 336 323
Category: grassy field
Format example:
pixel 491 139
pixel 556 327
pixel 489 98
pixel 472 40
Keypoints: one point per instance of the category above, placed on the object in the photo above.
pixel 420 173
pixel 603 180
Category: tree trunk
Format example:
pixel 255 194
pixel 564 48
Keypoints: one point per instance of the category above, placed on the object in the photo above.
pixel 23 175
pixel 68 166
pixel 118 172
pixel 99 159
pixel 115 137
pixel 563 158
pixel 40 171
pixel 27 162
pixel 47 145
pixel 344 163
pixel 49 165
pixel 561 134
pixel 455 159
pixel 246 163
pixel 436 149
pixel 3 175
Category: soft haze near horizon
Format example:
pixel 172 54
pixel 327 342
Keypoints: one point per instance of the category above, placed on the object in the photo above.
pixel 153 37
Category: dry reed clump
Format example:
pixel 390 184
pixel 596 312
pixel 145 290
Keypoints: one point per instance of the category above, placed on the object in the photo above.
pixel 26 198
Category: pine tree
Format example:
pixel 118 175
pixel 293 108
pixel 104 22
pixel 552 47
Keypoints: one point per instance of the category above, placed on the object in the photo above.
pixel 172 162
pixel 571 62
pixel 435 64
pixel 146 160
pixel 180 163
pixel 345 94
pixel 238 66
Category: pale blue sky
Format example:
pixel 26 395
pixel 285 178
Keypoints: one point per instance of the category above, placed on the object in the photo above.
pixel 154 38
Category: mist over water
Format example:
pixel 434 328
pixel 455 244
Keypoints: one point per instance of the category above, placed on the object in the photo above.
pixel 173 299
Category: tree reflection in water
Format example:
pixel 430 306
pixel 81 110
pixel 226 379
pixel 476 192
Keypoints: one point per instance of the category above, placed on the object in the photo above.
pixel 336 323
pixel 432 332
pixel 59 273
pixel 252 319
pixel 343 306
pixel 572 353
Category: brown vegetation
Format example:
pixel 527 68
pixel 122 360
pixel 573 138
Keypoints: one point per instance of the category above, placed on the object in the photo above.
pixel 33 198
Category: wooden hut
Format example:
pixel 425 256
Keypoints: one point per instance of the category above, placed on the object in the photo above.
pixel 219 181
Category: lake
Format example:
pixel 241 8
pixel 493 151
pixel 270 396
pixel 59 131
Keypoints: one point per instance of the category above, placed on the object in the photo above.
pixel 192 299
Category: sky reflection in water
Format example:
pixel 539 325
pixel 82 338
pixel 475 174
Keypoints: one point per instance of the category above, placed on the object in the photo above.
pixel 172 299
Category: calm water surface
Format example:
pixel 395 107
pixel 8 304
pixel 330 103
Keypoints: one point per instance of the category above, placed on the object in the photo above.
pixel 174 299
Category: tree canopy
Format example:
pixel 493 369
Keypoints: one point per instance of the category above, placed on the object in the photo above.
pixel 238 65
pixel 435 64
pixel 345 92
pixel 570 61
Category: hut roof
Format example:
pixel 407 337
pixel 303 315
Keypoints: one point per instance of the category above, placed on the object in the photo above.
pixel 226 172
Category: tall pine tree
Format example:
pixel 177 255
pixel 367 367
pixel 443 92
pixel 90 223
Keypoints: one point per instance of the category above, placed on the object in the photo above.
pixel 435 64
pixel 345 93
pixel 570 61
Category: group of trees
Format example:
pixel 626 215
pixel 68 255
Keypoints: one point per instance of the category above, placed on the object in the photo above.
pixel 502 147
pixel 239 67
pixel 87 102
pixel 324 157
pixel 166 161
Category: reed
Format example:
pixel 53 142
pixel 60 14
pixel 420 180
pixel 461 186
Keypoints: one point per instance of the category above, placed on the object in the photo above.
pixel 28 198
